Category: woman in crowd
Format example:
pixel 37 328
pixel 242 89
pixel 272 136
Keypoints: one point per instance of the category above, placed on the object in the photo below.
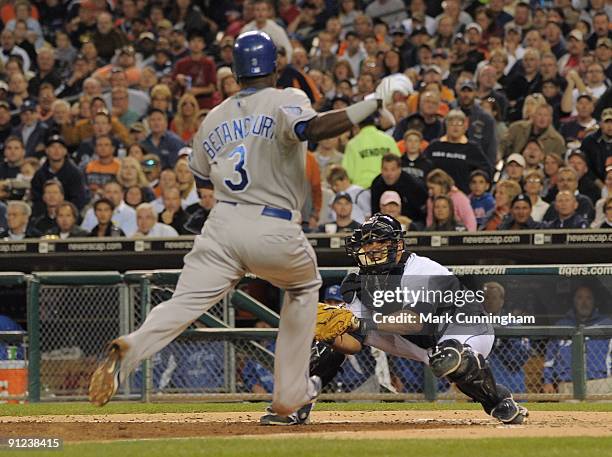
pixel 185 123
pixel 552 163
pixel 505 191
pixel 444 216
pixel 533 188
pixel 130 174
pixel 441 183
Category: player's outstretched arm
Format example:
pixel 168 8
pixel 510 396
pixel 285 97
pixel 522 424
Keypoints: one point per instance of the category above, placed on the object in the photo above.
pixel 333 123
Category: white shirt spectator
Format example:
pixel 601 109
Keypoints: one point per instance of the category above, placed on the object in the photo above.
pixel 539 209
pixel 276 32
pixel 159 230
pixel 124 217
pixel 17 51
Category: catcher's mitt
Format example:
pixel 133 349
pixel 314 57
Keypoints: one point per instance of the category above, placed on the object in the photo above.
pixel 333 321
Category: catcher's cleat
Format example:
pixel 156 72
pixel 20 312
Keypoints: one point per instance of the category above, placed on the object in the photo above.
pixel 300 417
pixel 105 380
pixel 510 412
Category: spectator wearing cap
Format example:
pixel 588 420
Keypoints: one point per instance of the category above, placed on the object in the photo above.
pixel 400 42
pixel 514 168
pixel 197 73
pixel 151 167
pixel 481 200
pixel 59 166
pixel 107 38
pixel 413 161
pixel 455 154
pixel 577 127
pixel 333 295
pixel 481 125
pixel 533 188
pixel 178 44
pixel 597 146
pixel 586 184
pixel 566 214
pixel 540 128
pixel 32 131
pixel 342 208
pixel 9 48
pixel 161 141
pixel 291 76
pixel 567 180
pixel 391 204
pixel 122 70
pixel 575 51
pixel 603 55
pixel 466 59
pixel 47 71
pixel 519 217
pixel 52 197
pixel 412 192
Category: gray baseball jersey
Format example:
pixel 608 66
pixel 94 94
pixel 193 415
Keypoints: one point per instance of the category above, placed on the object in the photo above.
pixel 247 147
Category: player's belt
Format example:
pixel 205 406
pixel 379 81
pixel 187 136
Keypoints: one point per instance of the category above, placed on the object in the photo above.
pixel 269 211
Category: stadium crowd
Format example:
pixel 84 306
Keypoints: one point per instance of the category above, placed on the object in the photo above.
pixel 502 117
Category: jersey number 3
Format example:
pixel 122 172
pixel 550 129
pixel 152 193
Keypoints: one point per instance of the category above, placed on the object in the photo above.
pixel 241 182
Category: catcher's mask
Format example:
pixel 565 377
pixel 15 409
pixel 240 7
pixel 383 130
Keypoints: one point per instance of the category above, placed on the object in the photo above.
pixel 376 244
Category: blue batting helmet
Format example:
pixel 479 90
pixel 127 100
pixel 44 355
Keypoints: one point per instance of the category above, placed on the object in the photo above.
pixel 254 55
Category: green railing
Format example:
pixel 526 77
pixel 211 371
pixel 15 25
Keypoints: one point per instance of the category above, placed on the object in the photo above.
pixel 143 284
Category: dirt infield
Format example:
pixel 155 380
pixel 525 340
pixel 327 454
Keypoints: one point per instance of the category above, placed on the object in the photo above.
pixel 325 424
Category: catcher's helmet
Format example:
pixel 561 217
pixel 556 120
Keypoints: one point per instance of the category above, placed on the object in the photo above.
pixel 384 230
pixel 254 55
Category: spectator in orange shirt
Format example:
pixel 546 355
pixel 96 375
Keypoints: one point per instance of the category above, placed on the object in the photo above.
pixel 105 168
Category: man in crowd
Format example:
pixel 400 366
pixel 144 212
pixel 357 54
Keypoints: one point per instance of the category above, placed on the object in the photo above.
pixel 17 217
pixel 412 192
pixel 342 207
pixel 124 216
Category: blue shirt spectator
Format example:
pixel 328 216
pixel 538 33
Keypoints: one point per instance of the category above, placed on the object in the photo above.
pixel 161 141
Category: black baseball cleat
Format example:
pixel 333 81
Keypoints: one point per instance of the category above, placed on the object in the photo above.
pixel 105 380
pixel 510 412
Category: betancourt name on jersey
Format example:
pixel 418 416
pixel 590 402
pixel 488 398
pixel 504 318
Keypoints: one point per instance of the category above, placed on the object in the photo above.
pixel 237 130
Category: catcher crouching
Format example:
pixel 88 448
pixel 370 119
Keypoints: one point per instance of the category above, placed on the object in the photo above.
pixel 417 323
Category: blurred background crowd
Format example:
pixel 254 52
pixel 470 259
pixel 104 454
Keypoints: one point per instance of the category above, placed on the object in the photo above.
pixel 502 118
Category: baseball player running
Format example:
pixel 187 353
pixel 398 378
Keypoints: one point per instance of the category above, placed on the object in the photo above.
pixel 455 351
pixel 252 149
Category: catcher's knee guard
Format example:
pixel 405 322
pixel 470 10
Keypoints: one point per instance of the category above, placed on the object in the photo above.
pixel 325 362
pixel 472 375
